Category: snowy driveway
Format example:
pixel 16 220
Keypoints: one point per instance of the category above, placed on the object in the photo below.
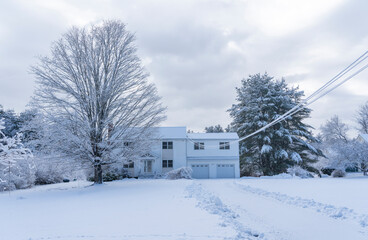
pixel 275 215
pixel 187 210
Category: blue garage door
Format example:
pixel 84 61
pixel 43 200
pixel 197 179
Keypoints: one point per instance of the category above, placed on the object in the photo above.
pixel 200 171
pixel 225 171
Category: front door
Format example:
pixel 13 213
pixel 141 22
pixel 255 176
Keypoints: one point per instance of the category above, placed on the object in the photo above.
pixel 147 166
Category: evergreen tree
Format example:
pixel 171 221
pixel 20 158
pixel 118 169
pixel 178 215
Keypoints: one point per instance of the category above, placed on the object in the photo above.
pixel 214 129
pixel 10 121
pixel 261 99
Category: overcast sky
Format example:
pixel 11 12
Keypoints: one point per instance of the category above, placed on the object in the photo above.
pixel 197 52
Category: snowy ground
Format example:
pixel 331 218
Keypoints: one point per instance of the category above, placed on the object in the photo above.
pixel 248 208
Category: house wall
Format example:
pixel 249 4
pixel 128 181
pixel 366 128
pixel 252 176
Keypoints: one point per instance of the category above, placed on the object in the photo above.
pixel 213 155
pixel 177 154
pixel 211 148
pixel 180 156
pixel 184 155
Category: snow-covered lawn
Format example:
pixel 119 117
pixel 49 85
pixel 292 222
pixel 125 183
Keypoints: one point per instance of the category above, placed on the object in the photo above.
pixel 248 208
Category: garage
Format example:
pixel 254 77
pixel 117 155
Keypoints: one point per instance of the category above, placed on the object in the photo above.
pixel 225 171
pixel 200 171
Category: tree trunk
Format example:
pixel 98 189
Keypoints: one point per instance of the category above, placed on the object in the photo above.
pixel 98 174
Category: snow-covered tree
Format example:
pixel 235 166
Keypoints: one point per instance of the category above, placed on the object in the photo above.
pixel 359 156
pixel 94 94
pixel 214 129
pixel 362 118
pixel 351 154
pixel 13 171
pixel 336 145
pixel 334 130
pixel 10 121
pixel 261 99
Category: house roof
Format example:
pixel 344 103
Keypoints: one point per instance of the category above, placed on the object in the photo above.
pixel 364 136
pixel 212 158
pixel 172 132
pixel 217 136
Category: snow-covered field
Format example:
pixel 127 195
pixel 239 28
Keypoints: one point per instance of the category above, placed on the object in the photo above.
pixel 248 208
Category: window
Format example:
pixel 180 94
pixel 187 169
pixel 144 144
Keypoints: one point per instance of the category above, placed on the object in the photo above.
pixel 199 146
pixel 167 163
pixel 128 144
pixel 224 145
pixel 167 145
pixel 129 165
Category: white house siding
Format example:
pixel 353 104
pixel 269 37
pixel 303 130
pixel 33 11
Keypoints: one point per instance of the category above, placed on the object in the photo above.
pixel 212 155
pixel 179 153
pixel 211 148
pixel 183 153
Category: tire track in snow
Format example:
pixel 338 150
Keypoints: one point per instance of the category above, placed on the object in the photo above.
pixel 326 209
pixel 132 237
pixel 213 204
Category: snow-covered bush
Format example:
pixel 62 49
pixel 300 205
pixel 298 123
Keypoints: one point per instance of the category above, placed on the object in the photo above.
pixel 180 173
pixel 299 172
pixel 327 171
pixel 48 175
pixel 338 173
pixel 20 176
pixel 110 173
pixel 15 164
pixel 115 174
pixel 54 169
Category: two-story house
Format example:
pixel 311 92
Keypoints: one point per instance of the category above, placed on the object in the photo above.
pixel 210 155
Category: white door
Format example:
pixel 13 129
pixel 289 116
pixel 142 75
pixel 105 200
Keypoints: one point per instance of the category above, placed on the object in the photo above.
pixel 225 171
pixel 200 171
pixel 147 166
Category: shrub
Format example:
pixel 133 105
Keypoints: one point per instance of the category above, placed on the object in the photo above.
pixel 180 173
pixel 299 172
pixel 111 174
pixel 327 171
pixel 338 173
pixel 21 175
pixel 48 175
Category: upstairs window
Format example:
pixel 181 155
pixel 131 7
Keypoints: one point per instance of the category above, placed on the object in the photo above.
pixel 199 146
pixel 224 145
pixel 167 163
pixel 167 145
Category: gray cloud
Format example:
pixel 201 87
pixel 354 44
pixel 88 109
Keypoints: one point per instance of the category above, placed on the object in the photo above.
pixel 198 51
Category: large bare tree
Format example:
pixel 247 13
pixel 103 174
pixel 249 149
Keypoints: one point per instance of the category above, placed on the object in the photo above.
pixel 94 92
pixel 335 130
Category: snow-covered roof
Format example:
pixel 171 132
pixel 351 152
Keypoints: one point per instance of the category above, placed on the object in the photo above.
pixel 364 137
pixel 172 132
pixel 217 136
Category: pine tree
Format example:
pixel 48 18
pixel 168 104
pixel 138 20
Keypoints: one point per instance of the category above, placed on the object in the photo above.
pixel 261 99
pixel 214 129
pixel 10 121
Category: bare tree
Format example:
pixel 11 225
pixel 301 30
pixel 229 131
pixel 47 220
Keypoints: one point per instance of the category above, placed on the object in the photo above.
pixel 334 130
pixel 362 118
pixel 94 93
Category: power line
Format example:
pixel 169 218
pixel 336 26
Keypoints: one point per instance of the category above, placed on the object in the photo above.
pixel 319 92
